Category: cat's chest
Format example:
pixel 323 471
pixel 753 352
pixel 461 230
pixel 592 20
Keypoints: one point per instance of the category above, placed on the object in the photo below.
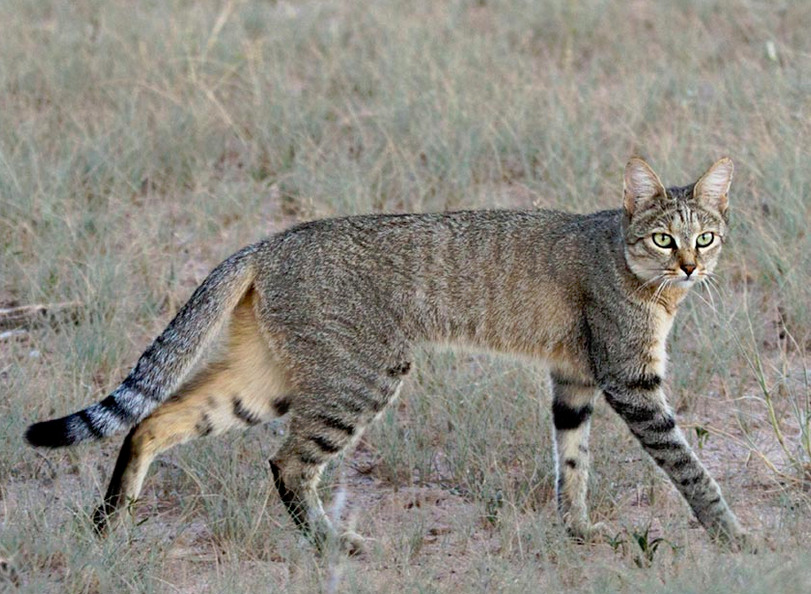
pixel 659 324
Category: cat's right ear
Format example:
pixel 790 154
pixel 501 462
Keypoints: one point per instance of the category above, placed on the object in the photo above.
pixel 713 187
pixel 641 185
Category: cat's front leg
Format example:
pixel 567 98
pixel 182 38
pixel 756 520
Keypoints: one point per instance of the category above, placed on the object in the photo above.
pixel 641 403
pixel 571 414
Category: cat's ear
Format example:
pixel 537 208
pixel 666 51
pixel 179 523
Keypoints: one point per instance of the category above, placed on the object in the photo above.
pixel 641 185
pixel 713 187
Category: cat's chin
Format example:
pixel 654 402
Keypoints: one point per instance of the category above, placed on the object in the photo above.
pixel 685 283
pixel 681 283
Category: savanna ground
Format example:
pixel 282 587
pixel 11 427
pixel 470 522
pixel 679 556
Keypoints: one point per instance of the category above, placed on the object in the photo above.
pixel 142 142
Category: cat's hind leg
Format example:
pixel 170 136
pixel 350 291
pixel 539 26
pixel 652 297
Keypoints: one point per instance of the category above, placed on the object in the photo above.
pixel 327 420
pixel 296 469
pixel 244 387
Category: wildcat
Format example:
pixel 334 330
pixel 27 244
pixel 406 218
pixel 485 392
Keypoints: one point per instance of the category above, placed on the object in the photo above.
pixel 318 324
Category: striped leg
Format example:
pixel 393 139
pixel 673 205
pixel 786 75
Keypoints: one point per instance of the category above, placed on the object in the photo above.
pixel 190 416
pixel 642 405
pixel 331 413
pixel 245 387
pixel 571 412
pixel 297 468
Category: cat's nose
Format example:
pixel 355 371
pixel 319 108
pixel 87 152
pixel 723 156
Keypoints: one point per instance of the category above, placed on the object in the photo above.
pixel 688 268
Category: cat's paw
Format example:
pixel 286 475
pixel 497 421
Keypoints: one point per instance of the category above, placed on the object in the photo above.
pixel 732 537
pixel 589 533
pixel 8 575
pixel 743 542
pixel 352 543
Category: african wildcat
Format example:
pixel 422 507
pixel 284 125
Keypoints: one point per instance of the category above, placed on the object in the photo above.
pixel 321 320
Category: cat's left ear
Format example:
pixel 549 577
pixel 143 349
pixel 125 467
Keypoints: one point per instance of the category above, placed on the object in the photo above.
pixel 713 187
pixel 641 186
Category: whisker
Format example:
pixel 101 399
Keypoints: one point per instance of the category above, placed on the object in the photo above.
pixel 648 283
pixel 710 303
pixel 705 284
pixel 661 288
pixel 713 284
pixel 709 293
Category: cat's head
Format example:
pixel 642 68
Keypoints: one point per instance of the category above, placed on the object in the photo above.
pixel 673 236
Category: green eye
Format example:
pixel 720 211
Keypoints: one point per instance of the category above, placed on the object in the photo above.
pixel 705 239
pixel 663 240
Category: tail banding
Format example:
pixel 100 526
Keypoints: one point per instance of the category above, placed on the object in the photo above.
pixel 163 366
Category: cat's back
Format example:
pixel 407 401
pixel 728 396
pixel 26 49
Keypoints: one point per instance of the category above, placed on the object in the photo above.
pixel 373 235
pixel 447 276
pixel 339 253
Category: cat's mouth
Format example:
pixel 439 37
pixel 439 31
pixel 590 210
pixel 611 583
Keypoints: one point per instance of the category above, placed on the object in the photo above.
pixel 679 279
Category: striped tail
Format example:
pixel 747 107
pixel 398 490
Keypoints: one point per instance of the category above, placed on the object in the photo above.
pixel 163 366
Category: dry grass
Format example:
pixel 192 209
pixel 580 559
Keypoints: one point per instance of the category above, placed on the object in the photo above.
pixel 140 143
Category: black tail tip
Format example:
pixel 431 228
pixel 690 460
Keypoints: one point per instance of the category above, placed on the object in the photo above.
pixel 48 434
